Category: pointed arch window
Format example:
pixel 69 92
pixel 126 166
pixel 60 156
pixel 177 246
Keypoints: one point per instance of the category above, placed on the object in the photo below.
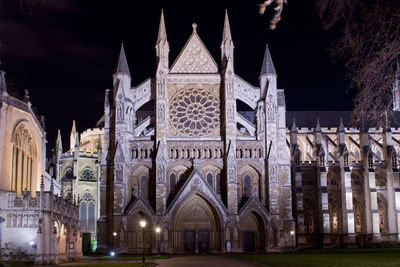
pixel 87 213
pixel 172 182
pixel 247 186
pixel 210 180
pixel 370 161
pixel 322 160
pixel 394 161
pixel 346 159
pixel 218 183
pixel 24 158
pixel 145 187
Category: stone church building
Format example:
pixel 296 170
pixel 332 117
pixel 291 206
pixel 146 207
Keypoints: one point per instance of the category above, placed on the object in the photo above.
pixel 181 152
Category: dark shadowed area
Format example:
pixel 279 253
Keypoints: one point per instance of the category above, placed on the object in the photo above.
pixel 65 51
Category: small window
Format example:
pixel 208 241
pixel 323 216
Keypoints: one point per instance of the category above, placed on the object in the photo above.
pixel 69 174
pixel 87 174
pixel 394 161
pixel 210 179
pixel 172 182
pixel 218 182
pixel 370 161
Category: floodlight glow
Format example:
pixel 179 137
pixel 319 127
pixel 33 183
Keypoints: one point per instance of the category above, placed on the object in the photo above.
pixel 292 232
pixel 115 234
pixel 158 229
pixel 112 253
pixel 31 243
pixel 143 223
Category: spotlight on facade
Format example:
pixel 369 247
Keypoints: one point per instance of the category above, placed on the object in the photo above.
pixel 158 230
pixel 31 243
pixel 143 223
pixel 292 233
pixel 112 253
pixel 115 234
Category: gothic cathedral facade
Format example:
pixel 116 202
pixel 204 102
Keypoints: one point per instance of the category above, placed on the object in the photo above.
pixel 181 153
pixel 185 166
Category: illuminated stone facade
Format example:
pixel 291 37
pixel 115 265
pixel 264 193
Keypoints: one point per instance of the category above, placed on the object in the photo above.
pixel 181 153
pixel 32 215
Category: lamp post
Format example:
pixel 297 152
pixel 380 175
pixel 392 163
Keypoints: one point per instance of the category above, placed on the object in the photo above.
pixel 158 230
pixel 292 234
pixel 143 225
pixel 115 243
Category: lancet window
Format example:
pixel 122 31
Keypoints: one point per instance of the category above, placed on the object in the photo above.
pixel 24 158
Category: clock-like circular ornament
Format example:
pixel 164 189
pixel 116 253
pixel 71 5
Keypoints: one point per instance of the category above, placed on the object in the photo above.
pixel 194 112
pixel 87 174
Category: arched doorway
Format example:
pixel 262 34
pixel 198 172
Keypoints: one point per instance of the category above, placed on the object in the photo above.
pixel 135 241
pixel 196 227
pixel 253 232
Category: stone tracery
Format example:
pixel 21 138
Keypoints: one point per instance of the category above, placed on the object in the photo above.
pixel 194 112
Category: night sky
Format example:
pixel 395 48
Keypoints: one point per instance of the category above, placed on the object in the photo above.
pixel 65 51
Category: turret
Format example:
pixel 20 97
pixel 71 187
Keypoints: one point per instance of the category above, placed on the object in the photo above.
pixel 162 46
pixel 72 137
pixel 59 147
pixel 227 46
pixel 122 71
pixel 267 74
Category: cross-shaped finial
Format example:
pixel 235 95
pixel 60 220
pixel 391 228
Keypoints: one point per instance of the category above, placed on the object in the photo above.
pixel 194 25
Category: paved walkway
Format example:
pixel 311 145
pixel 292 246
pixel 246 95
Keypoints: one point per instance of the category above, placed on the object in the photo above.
pixel 201 261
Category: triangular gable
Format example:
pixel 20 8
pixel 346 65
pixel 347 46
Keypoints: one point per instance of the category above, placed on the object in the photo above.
pixel 194 58
pixel 195 182
pixel 119 153
pixel 139 204
pixel 254 203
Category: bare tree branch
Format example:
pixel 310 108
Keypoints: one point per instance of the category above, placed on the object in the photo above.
pixel 369 45
pixel 278 11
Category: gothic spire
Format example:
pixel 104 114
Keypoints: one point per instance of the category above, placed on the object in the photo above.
pixel 226 35
pixel 77 140
pixel 162 46
pixel 72 136
pixel 59 141
pixel 318 127
pixel 122 65
pixel 227 43
pixel 267 66
pixel 162 33
pixel 341 126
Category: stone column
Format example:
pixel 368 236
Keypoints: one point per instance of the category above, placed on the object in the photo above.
pixel 347 204
pixel 325 228
pixel 300 207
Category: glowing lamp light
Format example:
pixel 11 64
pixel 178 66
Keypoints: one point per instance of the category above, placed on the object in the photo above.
pixel 31 243
pixel 112 253
pixel 292 232
pixel 158 229
pixel 143 223
pixel 115 234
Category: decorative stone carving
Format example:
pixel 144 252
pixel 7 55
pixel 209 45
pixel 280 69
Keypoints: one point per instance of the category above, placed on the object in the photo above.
pixel 194 58
pixel 194 112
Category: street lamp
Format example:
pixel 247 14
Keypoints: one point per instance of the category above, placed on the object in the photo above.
pixel 158 230
pixel 292 234
pixel 143 225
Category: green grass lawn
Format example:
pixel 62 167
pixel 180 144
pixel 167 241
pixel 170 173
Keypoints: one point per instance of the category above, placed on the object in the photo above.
pixel 329 258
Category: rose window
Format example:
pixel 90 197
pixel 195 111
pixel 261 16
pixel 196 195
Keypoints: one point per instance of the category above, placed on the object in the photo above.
pixel 194 112
pixel 87 174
